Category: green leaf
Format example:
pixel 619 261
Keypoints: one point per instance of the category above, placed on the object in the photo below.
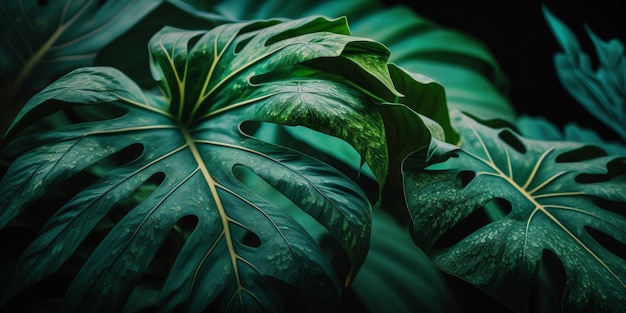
pixel 473 79
pixel 542 129
pixel 469 73
pixel 562 197
pixel 600 91
pixel 240 250
pixel 42 40
pixel 397 276
pixel 175 13
pixel 406 131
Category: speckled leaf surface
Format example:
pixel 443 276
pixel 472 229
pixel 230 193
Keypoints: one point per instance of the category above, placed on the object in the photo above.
pixel 240 250
pixel 559 194
pixel 472 77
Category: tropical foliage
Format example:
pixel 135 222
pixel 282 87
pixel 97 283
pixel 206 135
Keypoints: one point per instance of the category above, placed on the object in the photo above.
pixel 275 156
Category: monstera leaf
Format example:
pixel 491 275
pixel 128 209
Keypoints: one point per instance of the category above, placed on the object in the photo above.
pixel 42 40
pixel 472 77
pixel 559 198
pixel 175 162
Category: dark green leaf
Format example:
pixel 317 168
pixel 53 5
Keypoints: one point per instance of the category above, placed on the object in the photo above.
pixel 397 276
pixel 539 195
pixel 132 44
pixel 542 129
pixel 240 251
pixel 471 76
pixel 42 40
pixel 473 79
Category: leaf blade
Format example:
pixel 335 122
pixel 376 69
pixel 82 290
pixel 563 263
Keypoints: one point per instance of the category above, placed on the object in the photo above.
pixel 550 209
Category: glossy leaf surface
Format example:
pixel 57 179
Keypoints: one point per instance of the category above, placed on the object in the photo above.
pixel 240 251
pixel 563 197
pixel 470 74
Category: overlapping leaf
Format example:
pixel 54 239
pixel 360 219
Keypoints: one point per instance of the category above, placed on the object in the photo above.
pixel 564 197
pixel 241 246
pixel 472 77
pixel 42 40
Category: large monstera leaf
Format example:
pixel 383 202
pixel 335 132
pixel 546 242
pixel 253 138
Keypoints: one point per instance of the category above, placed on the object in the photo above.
pixel 561 197
pixel 240 251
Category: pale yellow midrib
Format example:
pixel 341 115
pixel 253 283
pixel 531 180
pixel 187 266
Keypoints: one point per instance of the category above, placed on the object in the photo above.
pixel 539 207
pixel 218 203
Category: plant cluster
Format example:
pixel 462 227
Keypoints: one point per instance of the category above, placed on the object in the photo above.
pixel 315 156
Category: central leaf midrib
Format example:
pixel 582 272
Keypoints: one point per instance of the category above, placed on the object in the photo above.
pixel 538 206
pixel 191 143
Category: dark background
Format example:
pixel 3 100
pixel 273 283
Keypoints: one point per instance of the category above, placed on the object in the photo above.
pixel 517 34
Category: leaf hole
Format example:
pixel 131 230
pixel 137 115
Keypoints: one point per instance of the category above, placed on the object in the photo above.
pixel 242 43
pixel 580 154
pixel 493 210
pixel 262 188
pixel 463 178
pixel 498 208
pixel 329 244
pixel 608 242
pixel 290 297
pixel 309 28
pixel 141 192
pixel 251 239
pixel 615 168
pixel 247 33
pixel 513 141
pixel 277 75
pixel 53 118
pixel 616 207
pixel 245 235
pixel 117 159
pixel 461 230
pixel 217 305
pixel 149 285
pixel 192 41
pixel 86 113
pixel 340 155
pixel 548 285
